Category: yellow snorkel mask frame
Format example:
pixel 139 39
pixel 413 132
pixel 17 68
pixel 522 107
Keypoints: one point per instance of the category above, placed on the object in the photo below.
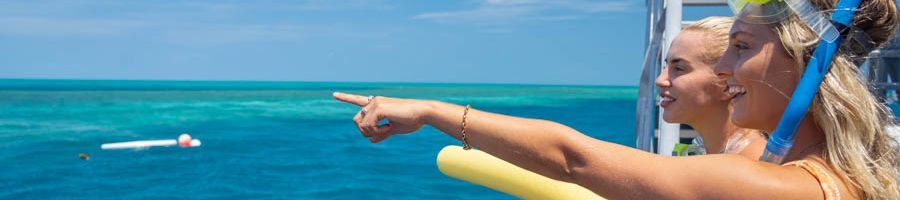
pixel 774 11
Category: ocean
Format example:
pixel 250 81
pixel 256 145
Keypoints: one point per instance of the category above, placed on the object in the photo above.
pixel 261 140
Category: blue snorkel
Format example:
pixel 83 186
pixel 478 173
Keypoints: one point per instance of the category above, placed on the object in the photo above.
pixel 781 141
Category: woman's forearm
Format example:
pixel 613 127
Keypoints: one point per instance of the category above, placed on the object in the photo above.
pixel 559 152
pixel 536 145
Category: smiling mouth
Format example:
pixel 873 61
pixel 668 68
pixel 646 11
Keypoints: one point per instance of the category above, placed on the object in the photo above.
pixel 736 91
pixel 665 100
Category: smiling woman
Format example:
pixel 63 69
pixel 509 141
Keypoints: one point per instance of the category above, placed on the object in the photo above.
pixel 847 128
pixel 692 93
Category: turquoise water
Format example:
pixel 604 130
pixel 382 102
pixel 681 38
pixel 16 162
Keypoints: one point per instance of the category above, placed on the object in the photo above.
pixel 270 140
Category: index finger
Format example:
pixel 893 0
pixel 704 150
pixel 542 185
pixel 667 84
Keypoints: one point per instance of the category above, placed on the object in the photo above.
pixel 350 98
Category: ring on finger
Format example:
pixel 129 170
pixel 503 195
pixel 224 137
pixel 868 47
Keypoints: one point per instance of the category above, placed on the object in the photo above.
pixel 369 99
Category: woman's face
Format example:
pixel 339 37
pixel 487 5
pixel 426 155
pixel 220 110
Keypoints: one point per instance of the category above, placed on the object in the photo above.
pixel 688 85
pixel 760 75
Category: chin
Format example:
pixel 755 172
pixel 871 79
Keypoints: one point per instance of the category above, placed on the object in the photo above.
pixel 671 118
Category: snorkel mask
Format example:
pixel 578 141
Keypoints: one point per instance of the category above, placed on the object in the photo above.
pixel 774 11
pixel 830 35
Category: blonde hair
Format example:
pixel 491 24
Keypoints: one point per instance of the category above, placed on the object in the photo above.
pixel 854 123
pixel 717 28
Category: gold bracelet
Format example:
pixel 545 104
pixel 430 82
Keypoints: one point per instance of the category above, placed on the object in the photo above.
pixel 466 145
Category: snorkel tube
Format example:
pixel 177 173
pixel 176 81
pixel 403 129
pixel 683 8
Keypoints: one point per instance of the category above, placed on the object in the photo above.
pixel 782 139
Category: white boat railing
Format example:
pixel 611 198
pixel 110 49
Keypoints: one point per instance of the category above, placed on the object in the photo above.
pixel 646 103
pixel 664 21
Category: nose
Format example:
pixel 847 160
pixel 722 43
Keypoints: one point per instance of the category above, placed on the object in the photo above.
pixel 662 80
pixel 724 68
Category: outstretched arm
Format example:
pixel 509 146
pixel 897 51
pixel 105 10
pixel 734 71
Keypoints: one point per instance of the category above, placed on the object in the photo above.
pixel 559 152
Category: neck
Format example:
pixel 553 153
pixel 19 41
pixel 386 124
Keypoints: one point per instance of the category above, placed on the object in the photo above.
pixel 808 136
pixel 714 128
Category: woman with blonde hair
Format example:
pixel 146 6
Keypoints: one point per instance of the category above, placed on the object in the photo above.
pixel 841 149
pixel 844 141
pixel 692 94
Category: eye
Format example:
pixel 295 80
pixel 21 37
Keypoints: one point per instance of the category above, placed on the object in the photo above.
pixel 678 68
pixel 740 46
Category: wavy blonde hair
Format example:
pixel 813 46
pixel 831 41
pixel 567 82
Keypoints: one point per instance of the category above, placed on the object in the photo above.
pixel 858 147
pixel 717 29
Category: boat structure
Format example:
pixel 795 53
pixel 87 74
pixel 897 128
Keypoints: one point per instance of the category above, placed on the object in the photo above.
pixel 881 70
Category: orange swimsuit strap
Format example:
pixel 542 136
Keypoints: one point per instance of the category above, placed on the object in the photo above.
pixel 826 181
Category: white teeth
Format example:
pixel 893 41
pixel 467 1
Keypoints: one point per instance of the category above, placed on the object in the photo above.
pixel 665 99
pixel 736 90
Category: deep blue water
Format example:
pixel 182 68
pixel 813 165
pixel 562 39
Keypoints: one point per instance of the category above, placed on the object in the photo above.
pixel 269 140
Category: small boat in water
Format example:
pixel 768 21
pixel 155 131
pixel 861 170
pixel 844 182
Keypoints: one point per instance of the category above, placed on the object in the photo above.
pixel 184 140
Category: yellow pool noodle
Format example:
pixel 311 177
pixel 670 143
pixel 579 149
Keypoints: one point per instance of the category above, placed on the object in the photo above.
pixel 483 169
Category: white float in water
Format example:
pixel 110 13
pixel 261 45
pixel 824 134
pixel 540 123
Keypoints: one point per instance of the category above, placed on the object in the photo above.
pixel 184 140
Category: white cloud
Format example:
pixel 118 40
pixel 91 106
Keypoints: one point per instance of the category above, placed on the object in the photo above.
pixel 326 5
pixel 595 7
pixel 558 18
pixel 223 34
pixel 511 2
pixel 504 12
pixel 486 14
pixel 36 26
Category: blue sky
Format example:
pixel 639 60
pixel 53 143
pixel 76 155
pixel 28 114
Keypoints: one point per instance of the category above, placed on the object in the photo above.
pixel 466 41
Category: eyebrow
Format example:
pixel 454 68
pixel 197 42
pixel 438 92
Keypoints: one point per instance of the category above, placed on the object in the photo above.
pixel 675 60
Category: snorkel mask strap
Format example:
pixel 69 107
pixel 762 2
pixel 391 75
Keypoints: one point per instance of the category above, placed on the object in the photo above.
pixel 858 45
pixel 782 139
